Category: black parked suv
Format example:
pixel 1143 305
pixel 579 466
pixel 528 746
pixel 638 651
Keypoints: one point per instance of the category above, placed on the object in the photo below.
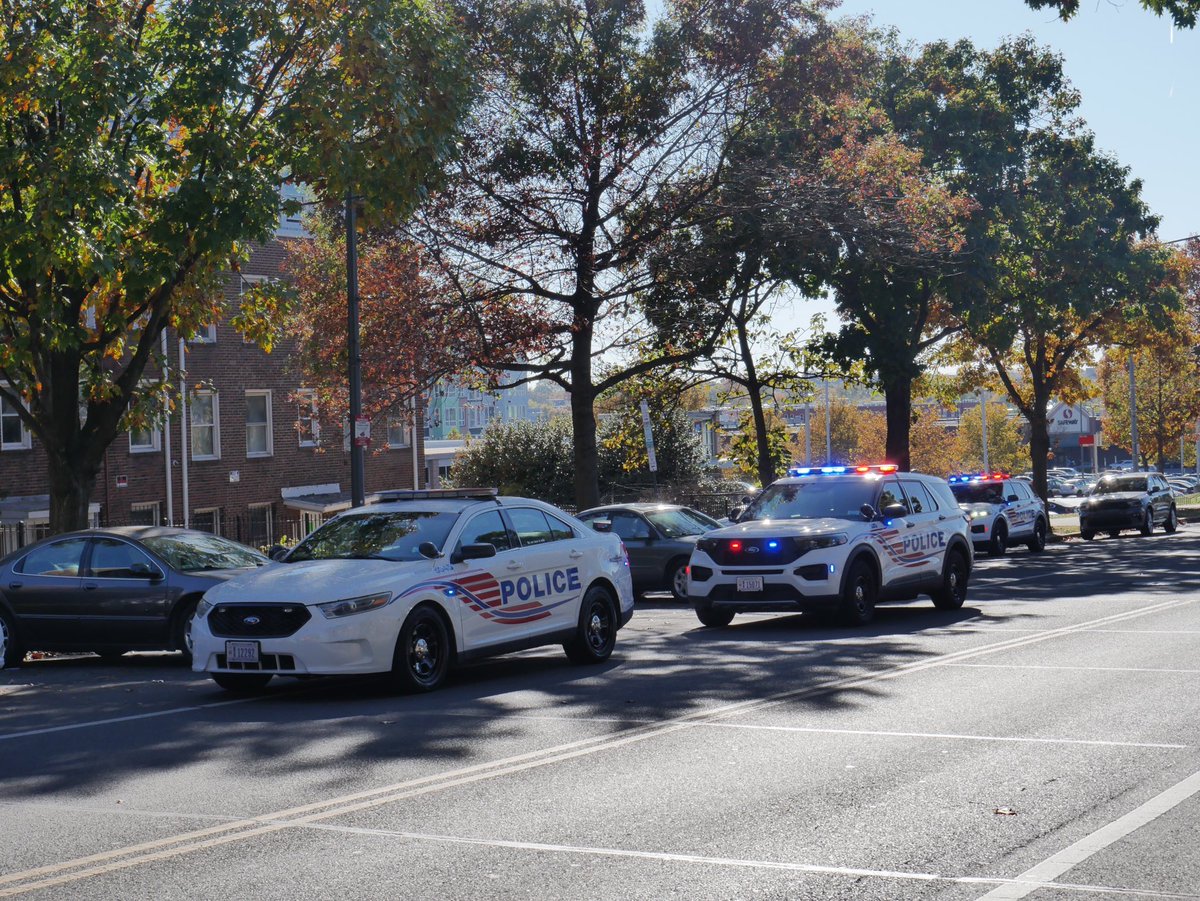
pixel 1128 500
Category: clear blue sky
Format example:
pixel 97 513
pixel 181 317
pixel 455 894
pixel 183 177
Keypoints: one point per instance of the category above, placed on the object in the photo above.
pixel 1139 80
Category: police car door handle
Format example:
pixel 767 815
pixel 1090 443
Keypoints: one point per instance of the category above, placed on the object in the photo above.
pixel 513 565
pixel 910 524
pixel 942 517
pixel 575 554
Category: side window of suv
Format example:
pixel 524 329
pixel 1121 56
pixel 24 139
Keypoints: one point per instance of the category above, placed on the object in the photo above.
pixel 890 494
pixel 919 499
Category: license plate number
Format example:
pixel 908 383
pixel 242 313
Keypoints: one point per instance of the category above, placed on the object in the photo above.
pixel 241 652
pixel 749 583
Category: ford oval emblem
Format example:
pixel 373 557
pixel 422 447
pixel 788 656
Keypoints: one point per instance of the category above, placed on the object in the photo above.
pixel 251 620
pixel 752 550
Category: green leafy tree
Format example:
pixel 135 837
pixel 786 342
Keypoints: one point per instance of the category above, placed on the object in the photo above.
pixel 144 144
pixel 600 132
pixel 1008 448
pixel 745 448
pixel 527 459
pixel 1182 12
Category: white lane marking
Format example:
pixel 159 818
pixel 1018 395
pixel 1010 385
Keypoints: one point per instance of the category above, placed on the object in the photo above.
pixel 952 736
pixel 1086 669
pixel 675 857
pixel 172 846
pixel 48 730
pixel 1051 868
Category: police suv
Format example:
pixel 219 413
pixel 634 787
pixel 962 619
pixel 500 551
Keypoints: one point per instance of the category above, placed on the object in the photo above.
pixel 837 539
pixel 414 583
pixel 1003 512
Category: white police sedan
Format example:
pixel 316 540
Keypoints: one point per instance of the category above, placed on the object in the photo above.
pixel 415 583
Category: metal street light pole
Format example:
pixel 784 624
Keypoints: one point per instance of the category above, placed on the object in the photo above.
pixel 354 359
pixel 982 393
pixel 1133 429
pixel 828 428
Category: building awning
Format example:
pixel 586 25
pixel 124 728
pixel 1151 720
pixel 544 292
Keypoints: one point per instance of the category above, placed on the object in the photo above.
pixel 33 508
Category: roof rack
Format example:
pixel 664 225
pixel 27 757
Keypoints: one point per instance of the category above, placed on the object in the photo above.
pixel 431 494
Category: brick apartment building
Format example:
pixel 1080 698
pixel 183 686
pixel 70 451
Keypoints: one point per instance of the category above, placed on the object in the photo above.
pixel 261 461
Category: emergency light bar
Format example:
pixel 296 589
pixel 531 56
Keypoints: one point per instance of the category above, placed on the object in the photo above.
pixel 884 468
pixel 979 477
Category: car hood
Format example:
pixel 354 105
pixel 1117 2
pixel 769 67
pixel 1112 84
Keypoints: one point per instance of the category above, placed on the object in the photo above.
pixel 318 581
pixel 767 528
pixel 224 575
pixel 1097 499
pixel 978 507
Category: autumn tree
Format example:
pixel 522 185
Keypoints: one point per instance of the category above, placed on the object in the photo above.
pixel 856 435
pixel 600 132
pixel 413 329
pixel 1008 449
pixel 933 450
pixel 1182 12
pixel 144 145
pixel 745 447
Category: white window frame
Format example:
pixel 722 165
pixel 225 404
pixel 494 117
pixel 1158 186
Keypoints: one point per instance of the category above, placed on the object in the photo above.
pixel 405 428
pixel 206 335
pixel 306 399
pixel 26 441
pixel 215 425
pixel 155 506
pixel 154 446
pixel 269 425
pixel 243 281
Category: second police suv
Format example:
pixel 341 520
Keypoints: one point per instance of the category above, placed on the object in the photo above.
pixel 1002 510
pixel 836 539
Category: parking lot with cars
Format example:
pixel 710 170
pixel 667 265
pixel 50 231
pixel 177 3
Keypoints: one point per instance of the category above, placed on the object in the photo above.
pixel 1040 742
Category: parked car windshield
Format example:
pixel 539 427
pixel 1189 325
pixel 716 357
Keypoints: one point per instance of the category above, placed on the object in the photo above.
pixel 815 499
pixel 985 493
pixel 677 523
pixel 392 535
pixel 199 552
pixel 1113 484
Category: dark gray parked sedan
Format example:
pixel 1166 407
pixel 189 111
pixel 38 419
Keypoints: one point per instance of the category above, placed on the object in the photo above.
pixel 660 539
pixel 112 590
pixel 1128 500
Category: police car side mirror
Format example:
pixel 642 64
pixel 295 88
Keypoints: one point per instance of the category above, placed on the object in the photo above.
pixel 895 511
pixel 601 525
pixel 430 551
pixel 1012 498
pixel 474 552
pixel 736 513
pixel 868 512
pixel 277 552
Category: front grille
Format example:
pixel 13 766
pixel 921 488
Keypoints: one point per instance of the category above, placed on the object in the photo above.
pixel 755 552
pixel 266 663
pixel 265 620
pixel 729 593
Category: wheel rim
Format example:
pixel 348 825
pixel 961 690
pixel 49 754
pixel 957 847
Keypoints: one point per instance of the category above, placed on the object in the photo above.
pixel 1039 534
pixel 4 640
pixel 679 582
pixel 958 582
pixel 862 587
pixel 424 651
pixel 598 627
pixel 1000 539
pixel 187 636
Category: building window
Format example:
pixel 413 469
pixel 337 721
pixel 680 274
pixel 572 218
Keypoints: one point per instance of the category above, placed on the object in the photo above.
pixel 145 514
pixel 452 418
pixel 259 442
pixel 206 426
pixel 260 525
pixel 307 426
pixel 13 434
pixel 207 520
pixel 206 334
pixel 144 441
pixel 399 433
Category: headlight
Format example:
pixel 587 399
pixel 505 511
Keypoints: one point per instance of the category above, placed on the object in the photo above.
pixel 202 608
pixel 979 514
pixel 804 545
pixel 350 606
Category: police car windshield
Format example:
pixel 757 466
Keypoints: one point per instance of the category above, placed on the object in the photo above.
pixel 816 498
pixel 1115 484
pixel 393 535
pixel 977 492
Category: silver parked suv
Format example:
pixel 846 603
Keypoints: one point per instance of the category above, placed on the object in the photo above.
pixel 835 538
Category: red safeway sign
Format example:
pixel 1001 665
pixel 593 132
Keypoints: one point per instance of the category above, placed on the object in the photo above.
pixel 1087 440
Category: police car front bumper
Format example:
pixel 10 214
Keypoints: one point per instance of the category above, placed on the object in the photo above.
pixel 811 583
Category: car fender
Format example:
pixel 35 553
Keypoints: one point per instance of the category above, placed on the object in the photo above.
pixel 863 550
pixel 962 544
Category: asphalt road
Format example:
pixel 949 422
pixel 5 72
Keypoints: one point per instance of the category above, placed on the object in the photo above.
pixel 1042 742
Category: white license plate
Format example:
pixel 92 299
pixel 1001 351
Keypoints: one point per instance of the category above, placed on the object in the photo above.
pixel 749 583
pixel 241 652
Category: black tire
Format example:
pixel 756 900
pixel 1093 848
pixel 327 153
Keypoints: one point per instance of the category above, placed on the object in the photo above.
pixel 181 628
pixel 596 633
pixel 955 575
pixel 1171 525
pixel 11 652
pixel 1037 543
pixel 242 683
pixel 1114 533
pixel 1147 527
pixel 110 653
pixel 999 543
pixel 677 579
pixel 861 589
pixel 423 652
pixel 1087 534
pixel 713 618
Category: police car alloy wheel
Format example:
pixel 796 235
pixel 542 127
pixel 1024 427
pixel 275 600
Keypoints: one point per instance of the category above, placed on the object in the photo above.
pixel 953 592
pixel 858 597
pixel 422 651
pixel 1037 543
pixel 597 631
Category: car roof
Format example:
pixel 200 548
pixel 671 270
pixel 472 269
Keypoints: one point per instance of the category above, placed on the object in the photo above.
pixel 636 506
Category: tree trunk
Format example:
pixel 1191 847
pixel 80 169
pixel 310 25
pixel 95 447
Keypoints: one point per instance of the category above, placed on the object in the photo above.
pixel 1039 443
pixel 898 397
pixel 583 420
pixel 71 482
